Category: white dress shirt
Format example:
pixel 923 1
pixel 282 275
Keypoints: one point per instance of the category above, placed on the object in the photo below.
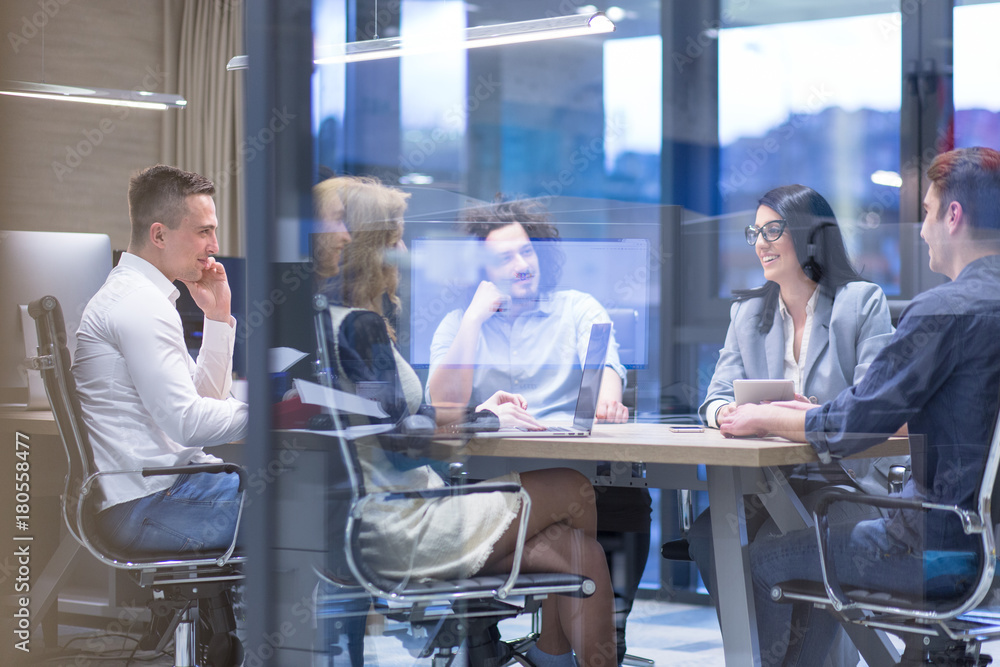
pixel 144 400
pixel 795 368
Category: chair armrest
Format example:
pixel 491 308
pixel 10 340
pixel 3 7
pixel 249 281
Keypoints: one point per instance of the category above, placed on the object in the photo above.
pixel 212 468
pixel 199 467
pixel 970 523
pixel 829 496
pixel 446 491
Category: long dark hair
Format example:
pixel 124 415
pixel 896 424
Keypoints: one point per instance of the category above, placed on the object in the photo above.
pixel 819 246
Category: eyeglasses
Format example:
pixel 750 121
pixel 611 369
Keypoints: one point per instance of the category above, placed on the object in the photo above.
pixel 772 231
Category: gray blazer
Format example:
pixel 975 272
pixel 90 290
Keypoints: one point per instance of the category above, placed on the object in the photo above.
pixel 848 331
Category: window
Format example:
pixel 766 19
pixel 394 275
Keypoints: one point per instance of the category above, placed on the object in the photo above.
pixel 815 102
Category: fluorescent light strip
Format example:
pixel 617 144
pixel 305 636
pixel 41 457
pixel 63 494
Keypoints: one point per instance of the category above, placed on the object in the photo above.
pixel 106 96
pixel 470 38
pixel 890 178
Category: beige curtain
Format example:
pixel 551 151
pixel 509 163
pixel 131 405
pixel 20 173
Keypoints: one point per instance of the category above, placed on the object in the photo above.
pixel 206 137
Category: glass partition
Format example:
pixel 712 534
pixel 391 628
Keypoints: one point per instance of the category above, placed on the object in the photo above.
pixel 800 94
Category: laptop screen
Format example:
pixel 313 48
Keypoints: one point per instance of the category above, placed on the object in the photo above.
pixel 593 371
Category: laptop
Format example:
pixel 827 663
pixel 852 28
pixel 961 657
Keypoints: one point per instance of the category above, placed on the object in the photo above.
pixel 586 400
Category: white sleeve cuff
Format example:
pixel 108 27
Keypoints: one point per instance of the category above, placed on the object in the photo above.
pixel 710 411
pixel 219 336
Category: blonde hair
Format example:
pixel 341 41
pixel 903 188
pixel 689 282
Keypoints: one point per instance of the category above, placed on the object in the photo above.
pixel 374 217
pixel 326 200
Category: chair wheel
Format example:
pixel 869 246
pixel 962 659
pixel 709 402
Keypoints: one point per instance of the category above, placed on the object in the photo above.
pixel 224 650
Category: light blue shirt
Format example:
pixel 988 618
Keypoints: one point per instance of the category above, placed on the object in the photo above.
pixel 538 354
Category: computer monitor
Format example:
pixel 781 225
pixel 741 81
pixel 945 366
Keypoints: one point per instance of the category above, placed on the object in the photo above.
pixel 67 265
pixel 444 272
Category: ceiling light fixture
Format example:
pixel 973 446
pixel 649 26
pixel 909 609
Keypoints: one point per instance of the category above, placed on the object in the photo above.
pixel 469 38
pixel 136 99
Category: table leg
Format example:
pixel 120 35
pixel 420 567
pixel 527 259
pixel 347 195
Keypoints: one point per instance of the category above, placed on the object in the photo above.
pixel 732 565
pixel 45 592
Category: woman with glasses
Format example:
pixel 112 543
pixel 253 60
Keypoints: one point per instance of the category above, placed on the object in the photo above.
pixel 816 322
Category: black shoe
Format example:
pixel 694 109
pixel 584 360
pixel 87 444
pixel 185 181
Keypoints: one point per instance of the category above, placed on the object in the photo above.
pixel 676 549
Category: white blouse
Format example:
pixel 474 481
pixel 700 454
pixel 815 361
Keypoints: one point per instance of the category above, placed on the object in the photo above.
pixel 795 368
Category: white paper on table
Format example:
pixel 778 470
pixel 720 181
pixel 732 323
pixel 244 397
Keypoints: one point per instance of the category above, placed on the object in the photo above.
pixel 280 359
pixel 316 394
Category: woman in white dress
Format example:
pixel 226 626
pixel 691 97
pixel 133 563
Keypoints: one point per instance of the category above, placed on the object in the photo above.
pixel 456 536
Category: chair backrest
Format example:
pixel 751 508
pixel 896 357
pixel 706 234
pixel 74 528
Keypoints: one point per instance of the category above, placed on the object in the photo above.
pixel 626 324
pixel 54 364
pixel 990 486
pixel 988 516
pixel 345 480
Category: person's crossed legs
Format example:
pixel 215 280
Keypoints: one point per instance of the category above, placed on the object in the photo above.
pixel 561 537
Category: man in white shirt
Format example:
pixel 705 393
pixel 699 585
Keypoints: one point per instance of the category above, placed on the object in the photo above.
pixel 146 403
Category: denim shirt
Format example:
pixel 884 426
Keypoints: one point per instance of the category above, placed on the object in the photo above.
pixel 941 376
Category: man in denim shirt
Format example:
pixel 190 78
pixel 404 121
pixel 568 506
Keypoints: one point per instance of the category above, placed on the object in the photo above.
pixel 940 375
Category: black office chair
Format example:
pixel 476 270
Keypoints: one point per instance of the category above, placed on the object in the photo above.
pixel 938 629
pixel 191 600
pixel 442 614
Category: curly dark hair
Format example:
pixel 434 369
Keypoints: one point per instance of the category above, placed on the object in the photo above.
pixel 479 221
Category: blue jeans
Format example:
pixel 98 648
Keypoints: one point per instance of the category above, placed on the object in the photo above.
pixel 864 554
pixel 198 513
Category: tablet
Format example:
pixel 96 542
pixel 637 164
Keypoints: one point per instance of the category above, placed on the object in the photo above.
pixel 758 391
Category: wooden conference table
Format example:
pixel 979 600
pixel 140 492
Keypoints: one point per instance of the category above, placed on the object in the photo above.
pixel 740 473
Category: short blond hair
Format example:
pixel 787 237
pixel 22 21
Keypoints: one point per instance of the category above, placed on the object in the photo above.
pixel 160 194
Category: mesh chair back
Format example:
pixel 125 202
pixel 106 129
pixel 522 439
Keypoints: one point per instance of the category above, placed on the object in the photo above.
pixel 343 485
pixel 345 478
